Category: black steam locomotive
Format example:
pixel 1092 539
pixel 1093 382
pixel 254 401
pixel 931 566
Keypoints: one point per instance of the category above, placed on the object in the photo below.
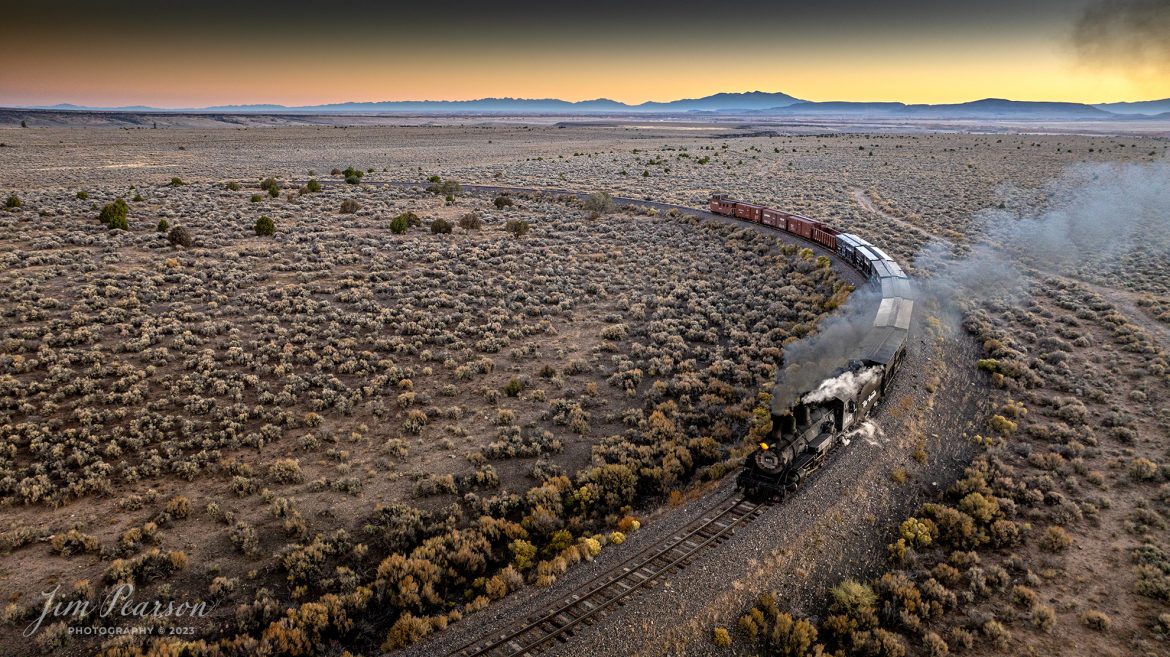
pixel 805 433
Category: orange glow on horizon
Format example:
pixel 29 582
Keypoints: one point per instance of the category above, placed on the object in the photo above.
pixel 197 75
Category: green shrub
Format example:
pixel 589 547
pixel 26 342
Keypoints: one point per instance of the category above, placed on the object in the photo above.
pixel 269 183
pixel 265 226
pixel 180 236
pixel 514 387
pixel 233 186
pixel 503 201
pixel 83 196
pixel 351 172
pixel 441 227
pixel 404 221
pixel 256 198
pixel 177 182
pixel 517 227
pixel 353 180
pixel 349 206
pixel 274 192
pixel 13 202
pixel 137 198
pixel 313 185
pixel 113 215
pixel 163 225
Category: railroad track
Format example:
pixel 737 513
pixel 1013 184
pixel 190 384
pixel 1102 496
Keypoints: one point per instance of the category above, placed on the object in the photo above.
pixel 613 587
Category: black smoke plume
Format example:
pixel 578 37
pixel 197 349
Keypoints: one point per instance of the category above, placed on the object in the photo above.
pixel 1132 33
pixel 810 361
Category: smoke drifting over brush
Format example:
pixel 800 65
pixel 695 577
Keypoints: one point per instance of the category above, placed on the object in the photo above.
pixel 821 355
pixel 1134 33
pixel 1100 219
pixel 844 385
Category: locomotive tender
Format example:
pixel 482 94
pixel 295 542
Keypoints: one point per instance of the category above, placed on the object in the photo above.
pixel 804 434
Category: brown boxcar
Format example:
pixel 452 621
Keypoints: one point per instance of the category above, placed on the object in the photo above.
pixel 749 211
pixel 802 226
pixel 774 218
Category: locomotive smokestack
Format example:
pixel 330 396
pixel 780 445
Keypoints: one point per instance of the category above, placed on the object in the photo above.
pixel 801 413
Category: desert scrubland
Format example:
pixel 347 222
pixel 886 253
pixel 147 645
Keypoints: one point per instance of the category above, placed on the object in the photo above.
pixel 401 406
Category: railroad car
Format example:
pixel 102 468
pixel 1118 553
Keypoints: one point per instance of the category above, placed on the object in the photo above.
pixel 749 211
pixel 721 204
pixel 804 434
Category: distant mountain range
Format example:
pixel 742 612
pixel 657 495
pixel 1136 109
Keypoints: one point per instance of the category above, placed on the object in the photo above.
pixel 753 102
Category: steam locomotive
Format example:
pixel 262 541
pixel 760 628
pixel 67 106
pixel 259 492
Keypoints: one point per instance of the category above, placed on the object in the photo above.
pixel 806 432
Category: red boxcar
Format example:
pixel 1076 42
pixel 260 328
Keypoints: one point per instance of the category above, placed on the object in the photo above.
pixel 721 204
pixel 802 226
pixel 749 211
pixel 774 218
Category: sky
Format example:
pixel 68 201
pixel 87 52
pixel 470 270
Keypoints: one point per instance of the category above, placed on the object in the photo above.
pixel 197 54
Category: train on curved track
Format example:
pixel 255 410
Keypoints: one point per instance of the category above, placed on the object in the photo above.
pixel 805 432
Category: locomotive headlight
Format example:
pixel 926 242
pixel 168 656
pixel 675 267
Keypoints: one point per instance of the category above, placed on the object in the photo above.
pixel 764 446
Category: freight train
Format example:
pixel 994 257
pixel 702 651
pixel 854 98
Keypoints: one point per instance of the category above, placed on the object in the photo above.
pixel 805 432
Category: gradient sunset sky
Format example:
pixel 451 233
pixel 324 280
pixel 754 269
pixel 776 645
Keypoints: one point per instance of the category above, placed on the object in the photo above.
pixel 298 53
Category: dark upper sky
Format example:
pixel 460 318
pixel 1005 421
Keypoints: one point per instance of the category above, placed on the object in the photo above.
pixel 126 52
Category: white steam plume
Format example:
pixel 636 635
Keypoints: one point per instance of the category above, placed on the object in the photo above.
pixel 843 386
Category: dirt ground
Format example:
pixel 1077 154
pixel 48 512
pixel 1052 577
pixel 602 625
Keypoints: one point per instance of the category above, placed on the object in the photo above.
pixel 326 336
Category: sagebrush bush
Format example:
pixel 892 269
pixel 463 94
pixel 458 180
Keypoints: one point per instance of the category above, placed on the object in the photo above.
pixel 721 637
pixel 503 201
pixel 470 221
pixel 441 227
pixel 446 188
pixel 74 542
pixel 286 471
pixel 180 236
pixel 349 206
pixel 1055 539
pixel 600 203
pixel 177 182
pixel 517 227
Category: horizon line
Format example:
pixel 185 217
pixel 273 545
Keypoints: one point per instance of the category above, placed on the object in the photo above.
pixel 66 105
